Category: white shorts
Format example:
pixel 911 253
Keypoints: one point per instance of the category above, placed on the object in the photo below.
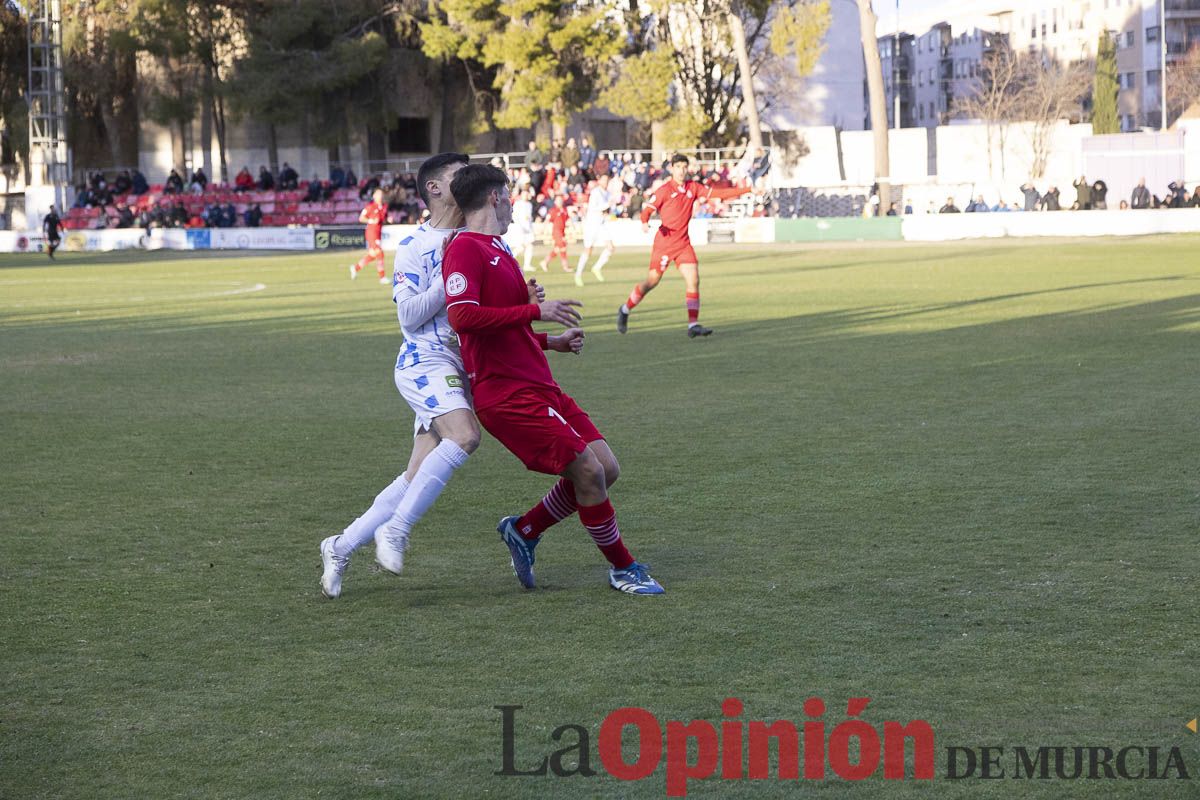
pixel 518 238
pixel 596 233
pixel 432 386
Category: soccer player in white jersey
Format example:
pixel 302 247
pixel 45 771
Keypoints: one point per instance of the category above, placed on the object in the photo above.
pixel 595 230
pixel 520 234
pixel 429 375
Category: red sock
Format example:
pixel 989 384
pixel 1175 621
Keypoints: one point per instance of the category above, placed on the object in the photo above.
pixel 557 505
pixel 635 297
pixel 693 307
pixel 601 523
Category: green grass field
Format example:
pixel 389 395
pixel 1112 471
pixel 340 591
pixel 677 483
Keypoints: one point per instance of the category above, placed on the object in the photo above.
pixel 960 480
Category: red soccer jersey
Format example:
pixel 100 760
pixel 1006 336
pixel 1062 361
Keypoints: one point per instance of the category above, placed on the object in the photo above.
pixel 674 204
pixel 558 221
pixel 375 213
pixel 505 357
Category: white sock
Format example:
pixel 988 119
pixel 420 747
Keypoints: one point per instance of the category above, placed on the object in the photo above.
pixel 601 261
pixel 625 307
pixel 362 530
pixel 427 484
pixel 582 263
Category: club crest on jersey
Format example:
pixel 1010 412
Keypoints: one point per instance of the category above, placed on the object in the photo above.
pixel 456 284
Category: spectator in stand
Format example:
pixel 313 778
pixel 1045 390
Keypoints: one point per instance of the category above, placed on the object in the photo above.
pixel 977 206
pixel 199 182
pixel 228 216
pixel 351 179
pixel 211 215
pixel 534 157
pixel 1100 195
pixel 288 179
pixel 760 166
pixel 949 208
pixel 636 200
pixel 570 155
pixel 602 165
pixel 576 180
pixel 244 181
pixel 587 156
pixel 195 221
pixel 893 211
pixel 314 191
pixel 337 177
pixel 138 183
pixel 123 183
pixel 908 208
pixel 555 154
pixel 124 216
pixel 266 181
pixel 174 184
pixel 1050 200
pixel 253 216
pixel 1177 197
pixel 537 176
pixel 1195 201
pixel 368 188
pixel 1032 196
pixel 642 179
pixel 178 216
pixel 1083 193
pixel 1141 196
pixel 83 197
pixel 1124 205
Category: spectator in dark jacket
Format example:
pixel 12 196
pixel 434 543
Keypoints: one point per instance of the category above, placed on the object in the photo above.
pixel 266 181
pixel 949 208
pixel 337 177
pixel 123 183
pixel 977 205
pixel 288 179
pixel 1050 200
pixel 1083 193
pixel 1100 195
pixel 587 155
pixel 138 181
pixel 1141 196
pixel 174 184
pixel 314 190
pixel 253 216
pixel 1032 197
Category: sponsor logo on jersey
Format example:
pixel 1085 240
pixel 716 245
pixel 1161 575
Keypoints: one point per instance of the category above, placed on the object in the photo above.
pixel 456 284
pixel 454 381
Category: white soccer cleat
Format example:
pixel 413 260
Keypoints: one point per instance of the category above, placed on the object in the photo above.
pixel 599 275
pixel 385 280
pixel 333 567
pixel 353 272
pixel 578 279
pixel 389 548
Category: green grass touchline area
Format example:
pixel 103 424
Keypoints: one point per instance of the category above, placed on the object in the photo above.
pixel 960 480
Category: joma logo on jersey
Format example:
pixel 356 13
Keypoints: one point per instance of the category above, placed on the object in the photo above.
pixel 454 381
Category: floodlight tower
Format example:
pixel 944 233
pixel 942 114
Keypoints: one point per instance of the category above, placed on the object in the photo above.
pixel 49 156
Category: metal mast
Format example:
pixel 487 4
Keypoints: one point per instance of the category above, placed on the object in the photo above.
pixel 50 160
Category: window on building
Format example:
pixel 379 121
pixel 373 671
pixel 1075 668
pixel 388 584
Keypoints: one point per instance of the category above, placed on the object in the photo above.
pixel 1129 38
pixel 921 112
pixel 1152 76
pixel 1152 34
pixel 1130 80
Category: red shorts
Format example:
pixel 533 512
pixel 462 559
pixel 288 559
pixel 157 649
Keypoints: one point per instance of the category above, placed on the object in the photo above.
pixel 543 427
pixel 373 238
pixel 677 249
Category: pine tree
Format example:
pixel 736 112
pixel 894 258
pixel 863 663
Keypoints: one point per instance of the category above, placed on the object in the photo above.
pixel 1104 88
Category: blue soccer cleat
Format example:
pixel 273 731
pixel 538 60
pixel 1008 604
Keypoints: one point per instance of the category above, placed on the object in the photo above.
pixel 520 548
pixel 634 579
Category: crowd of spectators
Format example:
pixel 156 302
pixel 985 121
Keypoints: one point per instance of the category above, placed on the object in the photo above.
pixel 1089 196
pixel 565 170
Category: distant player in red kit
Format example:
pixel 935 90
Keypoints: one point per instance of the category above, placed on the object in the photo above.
pixel 373 216
pixel 673 200
pixel 490 307
pixel 558 218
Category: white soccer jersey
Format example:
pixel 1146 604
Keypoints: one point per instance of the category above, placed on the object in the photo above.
pixel 418 270
pixel 599 201
pixel 523 215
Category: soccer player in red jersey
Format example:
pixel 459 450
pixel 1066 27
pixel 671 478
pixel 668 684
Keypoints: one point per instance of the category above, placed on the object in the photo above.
pixel 558 217
pixel 373 217
pixel 516 398
pixel 673 201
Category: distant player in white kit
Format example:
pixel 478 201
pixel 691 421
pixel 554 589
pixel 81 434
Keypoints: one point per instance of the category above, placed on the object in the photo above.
pixel 429 375
pixel 595 230
pixel 520 234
